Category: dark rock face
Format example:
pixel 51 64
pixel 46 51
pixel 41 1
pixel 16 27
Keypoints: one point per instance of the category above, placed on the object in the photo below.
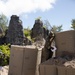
pixel 2 40
pixel 27 41
pixel 15 31
pixel 37 29
pixel 46 33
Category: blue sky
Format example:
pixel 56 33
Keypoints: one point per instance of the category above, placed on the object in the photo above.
pixel 57 12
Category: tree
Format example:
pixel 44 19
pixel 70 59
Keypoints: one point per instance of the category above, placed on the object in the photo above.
pixel 73 24
pixel 47 25
pixel 3 22
pixel 57 28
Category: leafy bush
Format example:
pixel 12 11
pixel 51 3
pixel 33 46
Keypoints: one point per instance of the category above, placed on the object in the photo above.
pixel 27 32
pixel 4 55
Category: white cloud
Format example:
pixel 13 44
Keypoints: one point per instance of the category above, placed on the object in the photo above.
pixel 18 7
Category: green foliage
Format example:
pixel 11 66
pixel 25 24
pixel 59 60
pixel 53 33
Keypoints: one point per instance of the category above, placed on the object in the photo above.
pixel 73 24
pixel 4 55
pixel 27 33
pixel 57 28
pixel 38 18
pixel 46 25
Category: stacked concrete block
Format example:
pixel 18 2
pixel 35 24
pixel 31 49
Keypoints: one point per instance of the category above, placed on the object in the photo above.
pixel 23 60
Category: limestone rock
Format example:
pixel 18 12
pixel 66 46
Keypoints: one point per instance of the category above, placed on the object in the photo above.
pixel 15 31
pixel 37 29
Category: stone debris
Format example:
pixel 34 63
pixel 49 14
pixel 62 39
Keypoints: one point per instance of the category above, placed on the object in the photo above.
pixel 57 61
pixel 4 70
pixel 27 41
pixel 70 64
pixel 60 61
pixel 39 43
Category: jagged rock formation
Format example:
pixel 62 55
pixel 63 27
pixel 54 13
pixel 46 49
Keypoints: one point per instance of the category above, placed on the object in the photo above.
pixel 15 31
pixel 46 33
pixel 37 30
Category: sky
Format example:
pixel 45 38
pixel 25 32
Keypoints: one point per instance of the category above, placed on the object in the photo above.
pixel 57 12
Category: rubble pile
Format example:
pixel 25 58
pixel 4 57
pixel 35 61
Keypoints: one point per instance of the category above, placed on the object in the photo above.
pixel 70 64
pixel 60 61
